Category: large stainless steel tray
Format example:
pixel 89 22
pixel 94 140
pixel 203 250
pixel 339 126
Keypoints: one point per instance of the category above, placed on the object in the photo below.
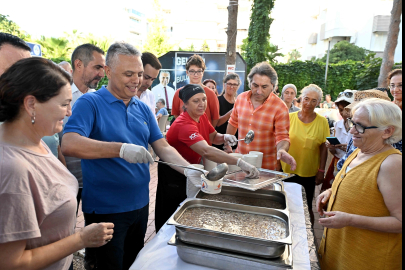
pixel 238 194
pixel 222 260
pixel 232 242
pixel 267 177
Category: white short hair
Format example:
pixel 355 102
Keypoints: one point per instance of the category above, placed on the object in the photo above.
pixel 383 114
pixel 312 88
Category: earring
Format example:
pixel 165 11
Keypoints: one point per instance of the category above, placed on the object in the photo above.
pixel 33 118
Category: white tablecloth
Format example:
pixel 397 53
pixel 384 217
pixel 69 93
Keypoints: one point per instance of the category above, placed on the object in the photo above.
pixel 157 255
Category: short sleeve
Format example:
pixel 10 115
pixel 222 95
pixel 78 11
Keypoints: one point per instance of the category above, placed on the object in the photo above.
pixel 214 106
pixel 190 135
pixel 17 209
pixel 176 103
pixel 82 119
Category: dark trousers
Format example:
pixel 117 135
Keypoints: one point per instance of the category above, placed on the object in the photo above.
pixel 309 185
pixel 128 239
pixel 171 191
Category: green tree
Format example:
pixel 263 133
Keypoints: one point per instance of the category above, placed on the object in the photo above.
pixel 344 50
pixel 55 47
pixel 157 41
pixel 272 51
pixel 8 26
pixel 190 48
pixel 294 55
pixel 101 42
pixel 205 47
pixel 258 44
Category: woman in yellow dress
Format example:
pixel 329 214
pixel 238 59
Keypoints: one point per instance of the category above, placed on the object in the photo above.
pixel 363 222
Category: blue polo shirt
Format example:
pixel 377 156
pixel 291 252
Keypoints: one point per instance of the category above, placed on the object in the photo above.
pixel 113 185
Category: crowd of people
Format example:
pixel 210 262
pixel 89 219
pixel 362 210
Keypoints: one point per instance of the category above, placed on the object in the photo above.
pixel 63 142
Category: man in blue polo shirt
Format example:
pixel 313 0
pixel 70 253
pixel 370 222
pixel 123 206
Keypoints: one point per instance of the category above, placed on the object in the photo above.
pixel 110 131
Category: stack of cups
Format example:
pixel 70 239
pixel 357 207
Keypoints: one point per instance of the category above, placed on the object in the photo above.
pixel 234 168
pixel 259 161
pixel 251 159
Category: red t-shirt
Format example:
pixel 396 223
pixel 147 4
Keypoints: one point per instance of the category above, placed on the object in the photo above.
pixel 185 132
pixel 212 110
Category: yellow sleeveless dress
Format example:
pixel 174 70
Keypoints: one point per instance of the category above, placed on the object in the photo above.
pixel 353 248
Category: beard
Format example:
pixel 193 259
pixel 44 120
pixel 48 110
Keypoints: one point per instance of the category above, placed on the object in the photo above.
pixel 91 82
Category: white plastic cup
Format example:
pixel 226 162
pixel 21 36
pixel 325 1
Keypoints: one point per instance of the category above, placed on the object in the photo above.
pixel 198 166
pixel 259 158
pixel 209 165
pixel 251 159
pixel 211 187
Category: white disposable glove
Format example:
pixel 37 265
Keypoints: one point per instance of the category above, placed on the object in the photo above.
pixel 193 181
pixel 249 169
pixel 135 154
pixel 230 140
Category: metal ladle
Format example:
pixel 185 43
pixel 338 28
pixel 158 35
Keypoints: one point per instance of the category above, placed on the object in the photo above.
pixel 215 174
pixel 249 137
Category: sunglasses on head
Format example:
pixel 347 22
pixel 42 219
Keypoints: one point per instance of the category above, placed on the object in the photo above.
pixel 346 94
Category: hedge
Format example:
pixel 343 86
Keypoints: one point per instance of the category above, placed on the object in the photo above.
pixel 344 75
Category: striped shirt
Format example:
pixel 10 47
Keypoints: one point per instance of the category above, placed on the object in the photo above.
pixel 270 122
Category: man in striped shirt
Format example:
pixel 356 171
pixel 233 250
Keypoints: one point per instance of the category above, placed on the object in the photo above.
pixel 267 115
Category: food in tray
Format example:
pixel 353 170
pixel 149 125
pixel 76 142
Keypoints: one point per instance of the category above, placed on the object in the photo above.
pixel 239 223
pixel 244 200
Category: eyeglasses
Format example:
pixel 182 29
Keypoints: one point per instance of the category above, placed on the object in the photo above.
pixel 360 129
pixel 194 72
pixel 347 94
pixel 232 85
pixel 393 86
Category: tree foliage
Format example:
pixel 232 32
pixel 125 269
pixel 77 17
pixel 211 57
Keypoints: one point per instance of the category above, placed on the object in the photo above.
pixel 294 55
pixel 205 47
pixel 8 26
pixel 55 47
pixel 157 41
pixel 344 50
pixel 272 51
pixel 258 44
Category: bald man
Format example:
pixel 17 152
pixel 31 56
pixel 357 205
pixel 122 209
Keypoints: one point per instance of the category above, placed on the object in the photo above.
pixel 66 66
pixel 12 49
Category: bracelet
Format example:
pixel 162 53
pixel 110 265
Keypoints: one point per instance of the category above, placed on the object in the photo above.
pixel 319 170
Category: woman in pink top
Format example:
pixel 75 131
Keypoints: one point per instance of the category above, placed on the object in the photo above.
pixel 37 193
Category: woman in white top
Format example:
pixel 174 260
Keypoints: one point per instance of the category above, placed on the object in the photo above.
pixel 341 133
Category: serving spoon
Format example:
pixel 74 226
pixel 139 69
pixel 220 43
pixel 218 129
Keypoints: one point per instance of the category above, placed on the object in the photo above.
pixel 214 175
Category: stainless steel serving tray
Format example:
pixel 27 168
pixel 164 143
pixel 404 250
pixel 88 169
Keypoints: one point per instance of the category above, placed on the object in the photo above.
pixel 267 178
pixel 262 194
pixel 232 242
pixel 222 260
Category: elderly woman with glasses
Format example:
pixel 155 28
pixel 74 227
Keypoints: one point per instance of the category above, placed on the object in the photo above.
pixel 363 221
pixel 308 132
pixel 226 102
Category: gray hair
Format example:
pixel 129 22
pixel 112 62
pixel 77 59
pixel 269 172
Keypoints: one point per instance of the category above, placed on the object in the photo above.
pixel 161 100
pixel 264 69
pixel 120 48
pixel 312 88
pixel 84 53
pixel 383 114
pixel 288 86
pixel 64 63
pixel 232 76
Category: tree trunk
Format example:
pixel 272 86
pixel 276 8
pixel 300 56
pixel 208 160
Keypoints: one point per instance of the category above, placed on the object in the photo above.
pixel 391 45
pixel 232 32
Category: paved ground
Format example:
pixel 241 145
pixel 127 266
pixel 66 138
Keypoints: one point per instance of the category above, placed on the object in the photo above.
pixel 150 233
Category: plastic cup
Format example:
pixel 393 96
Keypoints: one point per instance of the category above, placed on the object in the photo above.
pixel 234 168
pixel 251 159
pixel 259 158
pixel 211 187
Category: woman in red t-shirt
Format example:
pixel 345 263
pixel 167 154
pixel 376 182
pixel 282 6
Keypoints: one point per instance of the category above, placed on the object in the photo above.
pixel 192 136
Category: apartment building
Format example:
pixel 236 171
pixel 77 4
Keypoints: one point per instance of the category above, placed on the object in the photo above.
pixel 364 23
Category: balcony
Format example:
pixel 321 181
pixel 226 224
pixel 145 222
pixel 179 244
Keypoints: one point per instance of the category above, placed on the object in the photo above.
pixel 381 23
